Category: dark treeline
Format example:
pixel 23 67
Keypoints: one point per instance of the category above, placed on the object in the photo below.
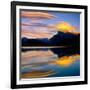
pixel 60 39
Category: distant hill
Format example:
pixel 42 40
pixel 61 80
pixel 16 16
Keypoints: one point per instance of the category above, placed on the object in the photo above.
pixel 35 42
pixel 66 39
pixel 60 39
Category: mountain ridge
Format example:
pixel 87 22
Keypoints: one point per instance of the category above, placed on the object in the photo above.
pixel 60 39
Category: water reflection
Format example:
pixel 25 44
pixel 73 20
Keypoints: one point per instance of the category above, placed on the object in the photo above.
pixel 50 62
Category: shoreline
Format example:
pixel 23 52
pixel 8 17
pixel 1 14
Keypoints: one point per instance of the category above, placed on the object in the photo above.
pixel 44 47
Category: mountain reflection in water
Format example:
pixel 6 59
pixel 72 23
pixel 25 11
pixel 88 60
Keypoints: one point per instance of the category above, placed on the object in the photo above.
pixel 49 62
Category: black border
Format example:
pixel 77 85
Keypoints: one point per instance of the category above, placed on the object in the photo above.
pixel 13 44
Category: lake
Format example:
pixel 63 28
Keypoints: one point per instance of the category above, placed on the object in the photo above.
pixel 49 62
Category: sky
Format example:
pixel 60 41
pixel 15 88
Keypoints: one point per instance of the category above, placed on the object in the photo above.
pixel 46 24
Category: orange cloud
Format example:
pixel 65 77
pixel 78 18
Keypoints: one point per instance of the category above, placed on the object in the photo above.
pixel 66 61
pixel 37 74
pixel 48 26
pixel 36 57
pixel 36 15
pixel 32 54
pixel 42 34
pixel 65 27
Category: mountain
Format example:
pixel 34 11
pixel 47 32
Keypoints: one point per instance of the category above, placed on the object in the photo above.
pixel 35 42
pixel 66 39
pixel 60 39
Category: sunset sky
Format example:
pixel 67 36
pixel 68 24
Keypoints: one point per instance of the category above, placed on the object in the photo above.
pixel 46 24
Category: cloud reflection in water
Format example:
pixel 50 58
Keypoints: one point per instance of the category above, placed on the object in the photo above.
pixel 45 63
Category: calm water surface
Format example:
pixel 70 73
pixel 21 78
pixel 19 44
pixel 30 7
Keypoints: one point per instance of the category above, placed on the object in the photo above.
pixel 49 62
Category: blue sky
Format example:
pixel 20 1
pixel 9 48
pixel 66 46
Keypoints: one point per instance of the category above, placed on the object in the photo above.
pixel 72 18
pixel 33 31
